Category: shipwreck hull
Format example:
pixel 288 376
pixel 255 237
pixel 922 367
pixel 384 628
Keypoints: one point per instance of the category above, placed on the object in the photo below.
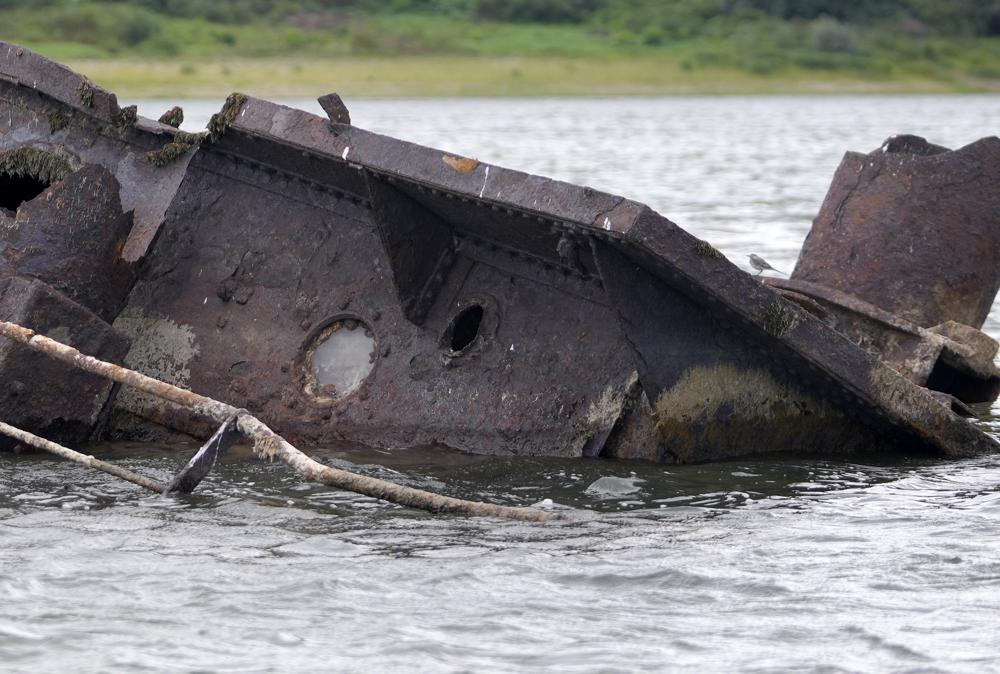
pixel 344 285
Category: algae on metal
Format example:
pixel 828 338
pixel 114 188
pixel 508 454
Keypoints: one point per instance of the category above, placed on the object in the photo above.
pixel 28 162
pixel 724 410
pixel 705 249
pixel 86 93
pixel 777 319
pixel 175 149
pixel 173 117
pixel 125 118
pixel 58 121
pixel 221 120
pixel 122 122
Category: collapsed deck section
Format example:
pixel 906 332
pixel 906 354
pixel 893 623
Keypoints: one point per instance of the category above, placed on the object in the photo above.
pixel 344 285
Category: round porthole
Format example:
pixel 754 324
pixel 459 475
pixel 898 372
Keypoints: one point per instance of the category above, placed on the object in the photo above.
pixel 339 359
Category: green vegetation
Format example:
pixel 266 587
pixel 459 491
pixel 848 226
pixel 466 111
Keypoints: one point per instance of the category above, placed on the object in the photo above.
pixel 518 47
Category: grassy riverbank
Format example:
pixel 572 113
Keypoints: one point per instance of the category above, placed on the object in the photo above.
pixel 191 48
pixel 486 76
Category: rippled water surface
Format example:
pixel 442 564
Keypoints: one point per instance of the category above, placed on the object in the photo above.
pixel 874 564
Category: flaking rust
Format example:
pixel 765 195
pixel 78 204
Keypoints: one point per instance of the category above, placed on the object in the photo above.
pixel 344 285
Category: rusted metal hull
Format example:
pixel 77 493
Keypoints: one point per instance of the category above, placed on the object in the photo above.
pixel 498 312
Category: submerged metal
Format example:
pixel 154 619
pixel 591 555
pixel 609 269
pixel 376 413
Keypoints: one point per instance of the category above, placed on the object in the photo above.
pixel 344 285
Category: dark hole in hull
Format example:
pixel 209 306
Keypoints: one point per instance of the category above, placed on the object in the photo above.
pixel 465 328
pixel 15 190
pixel 948 379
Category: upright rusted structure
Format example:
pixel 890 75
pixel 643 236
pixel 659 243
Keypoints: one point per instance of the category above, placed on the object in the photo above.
pixel 344 285
pixel 904 258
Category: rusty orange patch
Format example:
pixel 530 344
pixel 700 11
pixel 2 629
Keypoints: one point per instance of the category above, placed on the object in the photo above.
pixel 461 164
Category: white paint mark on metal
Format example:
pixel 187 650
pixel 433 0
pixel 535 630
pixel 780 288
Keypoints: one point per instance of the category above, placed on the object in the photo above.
pixel 485 178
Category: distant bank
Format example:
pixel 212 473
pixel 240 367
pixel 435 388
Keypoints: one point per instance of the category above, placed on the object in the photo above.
pixel 438 76
pixel 274 48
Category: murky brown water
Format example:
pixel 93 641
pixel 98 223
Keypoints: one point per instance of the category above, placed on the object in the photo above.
pixel 876 564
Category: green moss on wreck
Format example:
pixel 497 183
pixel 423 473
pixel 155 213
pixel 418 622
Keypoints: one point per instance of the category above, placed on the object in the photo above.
pixel 170 152
pixel 221 120
pixel 29 162
pixel 86 93
pixel 122 122
pixel 173 117
pixel 777 319
pixel 125 118
pixel 705 249
pixel 58 121
pixel 166 154
pixel 725 410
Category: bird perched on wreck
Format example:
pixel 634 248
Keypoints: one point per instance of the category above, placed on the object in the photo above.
pixel 761 265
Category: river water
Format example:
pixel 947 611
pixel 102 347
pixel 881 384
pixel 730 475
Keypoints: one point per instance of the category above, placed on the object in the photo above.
pixel 885 564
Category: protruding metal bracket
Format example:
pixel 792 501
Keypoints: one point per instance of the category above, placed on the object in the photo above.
pixel 202 463
pixel 335 109
pixel 419 244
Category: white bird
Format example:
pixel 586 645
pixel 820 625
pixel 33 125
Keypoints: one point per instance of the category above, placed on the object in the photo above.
pixel 760 264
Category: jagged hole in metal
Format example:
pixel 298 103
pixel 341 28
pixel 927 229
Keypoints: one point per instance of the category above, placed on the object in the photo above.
pixel 465 328
pixel 343 357
pixel 15 190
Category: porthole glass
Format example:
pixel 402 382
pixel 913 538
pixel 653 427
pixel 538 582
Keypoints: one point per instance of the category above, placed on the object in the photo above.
pixel 340 359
